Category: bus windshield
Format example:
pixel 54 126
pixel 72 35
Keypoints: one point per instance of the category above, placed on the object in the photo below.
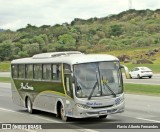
pixel 97 79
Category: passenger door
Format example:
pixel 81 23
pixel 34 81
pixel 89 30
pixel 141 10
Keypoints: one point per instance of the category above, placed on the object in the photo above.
pixel 69 103
pixel 67 80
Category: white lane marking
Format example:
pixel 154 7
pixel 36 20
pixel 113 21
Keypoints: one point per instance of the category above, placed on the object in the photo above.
pixel 78 128
pixel 30 115
pixel 5 87
pixel 8 110
pixel 87 130
pixel 84 130
pixel 5 96
pixel 148 120
pixel 47 119
pixel 29 130
pixel 15 112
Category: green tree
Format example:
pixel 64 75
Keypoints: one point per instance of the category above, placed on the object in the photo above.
pixel 116 30
pixel 6 50
pixel 66 42
pixel 31 49
pixel 45 38
pixel 23 54
pixel 58 30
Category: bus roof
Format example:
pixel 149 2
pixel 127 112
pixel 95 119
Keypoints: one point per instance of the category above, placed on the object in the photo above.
pixel 71 57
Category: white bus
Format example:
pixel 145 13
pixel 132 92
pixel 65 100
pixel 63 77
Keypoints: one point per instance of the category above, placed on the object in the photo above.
pixel 69 84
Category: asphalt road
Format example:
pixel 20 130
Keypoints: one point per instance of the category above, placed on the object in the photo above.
pixel 4 74
pixel 139 109
pixel 155 80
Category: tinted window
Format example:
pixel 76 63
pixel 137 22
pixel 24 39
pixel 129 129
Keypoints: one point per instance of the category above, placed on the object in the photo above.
pixel 47 71
pixel 21 71
pixel 56 72
pixel 38 71
pixel 14 71
pixel 29 71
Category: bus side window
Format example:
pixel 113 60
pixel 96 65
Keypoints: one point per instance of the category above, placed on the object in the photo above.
pixel 56 72
pixel 29 71
pixel 14 71
pixel 21 71
pixel 38 71
pixel 47 71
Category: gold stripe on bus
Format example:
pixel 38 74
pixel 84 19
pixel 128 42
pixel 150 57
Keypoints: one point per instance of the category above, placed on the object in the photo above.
pixel 53 92
pixel 63 81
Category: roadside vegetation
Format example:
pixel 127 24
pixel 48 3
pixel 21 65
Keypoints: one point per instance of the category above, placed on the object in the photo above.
pixel 131 35
pixel 127 30
pixel 5 66
pixel 135 54
pixel 142 89
pixel 5 79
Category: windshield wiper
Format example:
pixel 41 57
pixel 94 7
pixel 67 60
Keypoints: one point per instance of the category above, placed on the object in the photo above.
pixel 94 87
pixel 110 89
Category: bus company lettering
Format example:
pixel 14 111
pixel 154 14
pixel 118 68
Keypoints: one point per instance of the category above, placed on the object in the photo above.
pixel 93 104
pixel 26 87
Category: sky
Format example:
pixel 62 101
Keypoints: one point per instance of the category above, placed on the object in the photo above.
pixel 16 14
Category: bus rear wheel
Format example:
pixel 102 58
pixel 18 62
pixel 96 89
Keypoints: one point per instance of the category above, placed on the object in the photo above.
pixel 62 113
pixel 29 106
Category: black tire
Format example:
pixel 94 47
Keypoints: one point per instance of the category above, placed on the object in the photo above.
pixel 150 76
pixel 29 106
pixel 62 113
pixel 130 76
pixel 102 116
pixel 138 76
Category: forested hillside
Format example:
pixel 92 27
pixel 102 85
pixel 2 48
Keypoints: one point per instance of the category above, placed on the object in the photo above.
pixel 127 30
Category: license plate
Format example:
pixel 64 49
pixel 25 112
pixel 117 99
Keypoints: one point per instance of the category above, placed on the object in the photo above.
pixel 103 112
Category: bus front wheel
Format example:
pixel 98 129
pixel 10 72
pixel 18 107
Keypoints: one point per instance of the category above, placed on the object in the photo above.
pixel 62 113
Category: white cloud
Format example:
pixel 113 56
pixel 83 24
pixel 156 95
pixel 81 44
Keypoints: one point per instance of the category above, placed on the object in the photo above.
pixel 16 14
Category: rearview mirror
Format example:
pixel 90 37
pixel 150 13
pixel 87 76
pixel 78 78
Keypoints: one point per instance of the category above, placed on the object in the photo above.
pixel 121 66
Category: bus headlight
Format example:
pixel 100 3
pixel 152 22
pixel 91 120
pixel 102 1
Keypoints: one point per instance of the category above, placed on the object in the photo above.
pixel 119 100
pixel 82 106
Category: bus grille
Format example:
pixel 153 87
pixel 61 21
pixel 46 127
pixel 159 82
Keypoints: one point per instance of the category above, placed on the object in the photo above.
pixel 102 107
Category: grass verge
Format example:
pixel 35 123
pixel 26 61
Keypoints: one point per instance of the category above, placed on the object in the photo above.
pixel 5 66
pixel 142 89
pixel 5 79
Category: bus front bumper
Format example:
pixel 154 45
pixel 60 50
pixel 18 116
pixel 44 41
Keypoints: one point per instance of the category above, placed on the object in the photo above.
pixel 94 112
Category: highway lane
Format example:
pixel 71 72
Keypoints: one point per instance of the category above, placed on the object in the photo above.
pixel 139 109
pixel 155 80
pixel 4 74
